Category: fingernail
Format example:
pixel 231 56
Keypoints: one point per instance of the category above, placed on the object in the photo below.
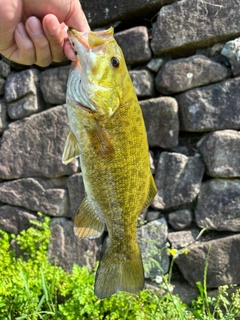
pixel 34 25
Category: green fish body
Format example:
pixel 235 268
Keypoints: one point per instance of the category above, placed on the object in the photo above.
pixel 109 136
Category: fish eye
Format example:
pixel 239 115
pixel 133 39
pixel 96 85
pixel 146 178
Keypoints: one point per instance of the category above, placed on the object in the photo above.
pixel 115 62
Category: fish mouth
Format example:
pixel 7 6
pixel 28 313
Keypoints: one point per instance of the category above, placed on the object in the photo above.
pixel 90 40
pixel 82 37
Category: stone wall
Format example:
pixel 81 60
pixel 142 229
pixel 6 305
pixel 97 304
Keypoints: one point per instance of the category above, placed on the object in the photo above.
pixel 183 58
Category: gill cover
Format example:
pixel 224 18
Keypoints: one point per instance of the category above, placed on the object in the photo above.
pixel 96 79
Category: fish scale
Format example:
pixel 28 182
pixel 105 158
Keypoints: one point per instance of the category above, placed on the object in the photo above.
pixel 109 136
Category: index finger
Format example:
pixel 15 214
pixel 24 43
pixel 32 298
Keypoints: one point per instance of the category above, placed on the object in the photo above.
pixel 76 18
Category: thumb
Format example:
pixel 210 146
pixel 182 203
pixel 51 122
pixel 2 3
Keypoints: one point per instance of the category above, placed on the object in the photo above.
pixel 76 18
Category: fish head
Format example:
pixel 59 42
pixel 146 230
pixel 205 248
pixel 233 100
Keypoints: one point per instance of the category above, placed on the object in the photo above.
pixel 96 79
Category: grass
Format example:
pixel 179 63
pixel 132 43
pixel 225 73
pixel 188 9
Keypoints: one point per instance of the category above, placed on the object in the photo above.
pixel 31 289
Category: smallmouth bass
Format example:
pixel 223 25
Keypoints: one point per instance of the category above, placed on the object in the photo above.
pixel 109 136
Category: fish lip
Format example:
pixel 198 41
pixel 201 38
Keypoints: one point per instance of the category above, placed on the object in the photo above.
pixel 79 36
pixel 72 32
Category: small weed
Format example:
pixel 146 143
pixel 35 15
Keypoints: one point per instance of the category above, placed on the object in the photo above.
pixel 32 289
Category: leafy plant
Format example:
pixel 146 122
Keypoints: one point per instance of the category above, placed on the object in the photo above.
pixel 28 284
pixel 32 289
pixel 221 307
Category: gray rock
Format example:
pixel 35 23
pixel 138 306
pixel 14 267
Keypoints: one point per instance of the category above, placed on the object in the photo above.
pixel 213 51
pixel 180 219
pixel 14 65
pixel 57 183
pixel 14 219
pixel 34 146
pixel 141 221
pixel 187 73
pixel 220 151
pixel 188 144
pixel 183 239
pixel 134 44
pixel 36 195
pixel 3 116
pixel 143 83
pixel 65 249
pixel 152 240
pixel 214 107
pixel 107 12
pixel 22 94
pixel 178 180
pixel 218 205
pixel 185 292
pixel 155 64
pixel 161 120
pixel 183 150
pixel 2 86
pixel 4 69
pixel 25 106
pixel 223 262
pixel 53 83
pixel 152 215
pixel 231 50
pixel 20 84
pixel 76 191
pixel 188 25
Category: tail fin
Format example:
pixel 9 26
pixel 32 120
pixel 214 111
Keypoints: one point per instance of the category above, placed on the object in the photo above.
pixel 119 272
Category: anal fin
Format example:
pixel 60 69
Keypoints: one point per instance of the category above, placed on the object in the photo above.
pixel 71 149
pixel 87 223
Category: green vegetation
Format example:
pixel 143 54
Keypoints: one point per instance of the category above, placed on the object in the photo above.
pixel 31 288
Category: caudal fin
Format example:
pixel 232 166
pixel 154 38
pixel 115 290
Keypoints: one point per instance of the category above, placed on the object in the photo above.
pixel 119 272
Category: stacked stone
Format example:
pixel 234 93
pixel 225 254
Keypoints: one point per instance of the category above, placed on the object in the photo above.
pixel 185 70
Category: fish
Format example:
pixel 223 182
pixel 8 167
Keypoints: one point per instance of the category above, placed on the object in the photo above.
pixel 108 135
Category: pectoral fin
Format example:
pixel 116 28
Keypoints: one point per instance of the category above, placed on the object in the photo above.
pixel 152 190
pixel 87 223
pixel 71 149
pixel 101 142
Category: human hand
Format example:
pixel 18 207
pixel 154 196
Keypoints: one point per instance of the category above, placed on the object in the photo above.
pixel 35 32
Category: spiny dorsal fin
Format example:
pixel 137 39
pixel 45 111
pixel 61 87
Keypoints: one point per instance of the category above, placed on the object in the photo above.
pixel 87 223
pixel 152 190
pixel 101 142
pixel 71 149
